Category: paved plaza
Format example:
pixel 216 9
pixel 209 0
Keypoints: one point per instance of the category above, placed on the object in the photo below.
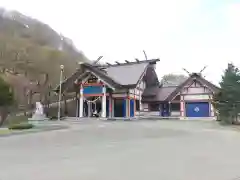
pixel 131 150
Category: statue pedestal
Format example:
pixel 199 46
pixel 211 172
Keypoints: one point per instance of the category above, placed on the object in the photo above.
pixel 36 119
pixel 38 115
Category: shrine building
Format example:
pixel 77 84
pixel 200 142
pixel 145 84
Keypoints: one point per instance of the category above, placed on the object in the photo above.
pixel 130 89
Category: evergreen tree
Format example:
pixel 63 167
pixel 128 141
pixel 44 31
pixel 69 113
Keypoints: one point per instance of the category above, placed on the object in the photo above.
pixel 6 99
pixel 227 101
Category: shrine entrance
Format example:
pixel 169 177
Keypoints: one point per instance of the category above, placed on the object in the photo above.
pixel 92 106
pixel 119 108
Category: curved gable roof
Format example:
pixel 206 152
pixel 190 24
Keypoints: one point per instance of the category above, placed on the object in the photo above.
pixel 126 74
pixel 117 75
pixel 194 76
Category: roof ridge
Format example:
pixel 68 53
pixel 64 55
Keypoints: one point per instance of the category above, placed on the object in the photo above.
pixel 127 63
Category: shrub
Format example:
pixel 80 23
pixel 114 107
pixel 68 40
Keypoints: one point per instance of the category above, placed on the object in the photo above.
pixel 55 117
pixel 13 119
pixel 20 126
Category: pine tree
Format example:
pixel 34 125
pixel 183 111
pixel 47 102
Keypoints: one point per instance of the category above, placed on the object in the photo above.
pixel 227 101
pixel 6 100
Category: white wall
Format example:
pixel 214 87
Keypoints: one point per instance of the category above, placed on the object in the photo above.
pixel 193 90
pixel 175 113
pixel 144 106
pixel 196 97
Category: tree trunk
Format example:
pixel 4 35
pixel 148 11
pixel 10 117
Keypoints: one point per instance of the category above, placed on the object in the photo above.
pixel 3 115
pixel 65 105
pixel 48 103
pixel 25 103
pixel 30 105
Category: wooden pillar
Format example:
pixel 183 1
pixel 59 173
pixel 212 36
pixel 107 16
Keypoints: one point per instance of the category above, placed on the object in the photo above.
pixel 77 105
pixel 134 100
pixel 182 108
pixel 140 101
pixel 89 104
pixel 211 109
pixel 104 99
pixel 127 106
pixel 81 102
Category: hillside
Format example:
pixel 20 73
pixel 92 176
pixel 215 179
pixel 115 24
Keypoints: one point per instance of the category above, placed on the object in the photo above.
pixel 31 47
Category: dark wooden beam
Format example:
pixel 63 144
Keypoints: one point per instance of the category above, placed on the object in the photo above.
pixel 187 71
pixel 203 69
pixel 117 62
pixel 98 59
pixel 108 64
pixel 126 61
pixel 145 55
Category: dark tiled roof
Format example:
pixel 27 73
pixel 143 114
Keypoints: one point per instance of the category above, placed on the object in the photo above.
pixel 126 74
pixel 157 94
pixel 116 75
pixel 164 92
pixel 103 75
pixel 150 91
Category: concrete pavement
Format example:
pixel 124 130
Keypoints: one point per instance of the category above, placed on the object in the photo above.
pixel 130 150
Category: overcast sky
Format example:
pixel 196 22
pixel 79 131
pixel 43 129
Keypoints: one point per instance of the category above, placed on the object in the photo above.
pixel 182 33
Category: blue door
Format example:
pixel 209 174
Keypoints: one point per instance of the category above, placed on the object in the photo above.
pixel 197 109
pixel 131 107
pixel 165 110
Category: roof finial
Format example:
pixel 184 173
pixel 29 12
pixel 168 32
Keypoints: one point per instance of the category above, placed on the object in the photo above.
pixel 187 71
pixel 98 59
pixel 137 59
pixel 202 70
pixel 145 55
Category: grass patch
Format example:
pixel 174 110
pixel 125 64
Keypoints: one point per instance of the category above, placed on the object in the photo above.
pixel 20 126
pixel 4 131
pixel 16 120
pixel 18 123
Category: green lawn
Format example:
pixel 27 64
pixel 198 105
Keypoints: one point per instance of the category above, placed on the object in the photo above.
pixel 4 131
pixel 16 120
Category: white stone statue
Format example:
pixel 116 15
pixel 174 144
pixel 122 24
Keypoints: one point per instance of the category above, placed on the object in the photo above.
pixel 38 115
pixel 39 109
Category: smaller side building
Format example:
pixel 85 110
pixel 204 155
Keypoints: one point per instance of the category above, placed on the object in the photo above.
pixel 192 98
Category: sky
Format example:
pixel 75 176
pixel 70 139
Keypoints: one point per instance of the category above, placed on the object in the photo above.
pixel 187 34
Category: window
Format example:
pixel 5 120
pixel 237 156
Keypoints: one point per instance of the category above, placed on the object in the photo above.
pixel 137 105
pixel 154 107
pixel 175 106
